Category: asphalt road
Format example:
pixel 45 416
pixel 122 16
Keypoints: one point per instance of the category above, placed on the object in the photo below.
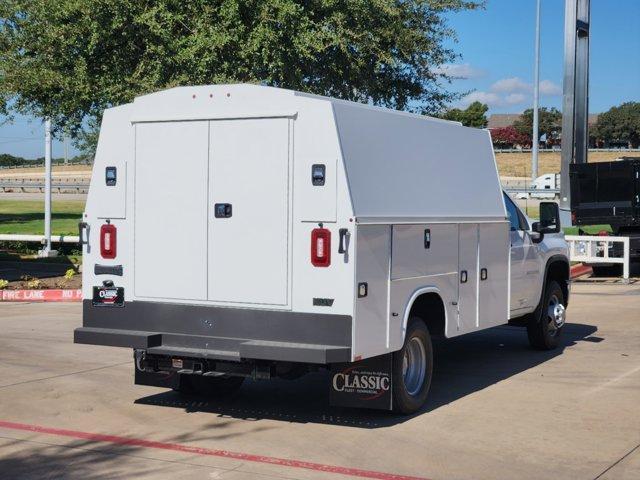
pixel 498 410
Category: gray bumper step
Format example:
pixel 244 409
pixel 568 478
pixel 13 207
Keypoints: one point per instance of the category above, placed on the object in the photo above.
pixel 195 352
pixel 294 352
pixel 116 338
pixel 216 347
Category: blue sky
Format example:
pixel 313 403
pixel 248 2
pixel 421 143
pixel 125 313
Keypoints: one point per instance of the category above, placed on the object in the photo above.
pixel 497 48
pixel 497 52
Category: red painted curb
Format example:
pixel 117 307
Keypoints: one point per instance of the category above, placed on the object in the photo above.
pixel 136 442
pixel 579 270
pixel 59 295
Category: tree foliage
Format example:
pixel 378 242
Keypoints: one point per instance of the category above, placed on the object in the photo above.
pixel 473 116
pixel 7 160
pixel 70 59
pixel 509 137
pixel 549 123
pixel 620 124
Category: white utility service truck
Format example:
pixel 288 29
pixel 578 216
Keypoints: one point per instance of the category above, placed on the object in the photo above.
pixel 236 231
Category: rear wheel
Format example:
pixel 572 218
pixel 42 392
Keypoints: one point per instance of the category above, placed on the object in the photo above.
pixel 544 330
pixel 214 387
pixel 412 369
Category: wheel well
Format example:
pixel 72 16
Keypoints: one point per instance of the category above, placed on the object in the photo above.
pixel 429 307
pixel 559 271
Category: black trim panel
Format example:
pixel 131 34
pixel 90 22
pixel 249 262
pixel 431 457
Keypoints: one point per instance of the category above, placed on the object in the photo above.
pixel 108 270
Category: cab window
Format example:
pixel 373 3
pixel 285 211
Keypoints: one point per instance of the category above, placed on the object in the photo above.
pixel 512 212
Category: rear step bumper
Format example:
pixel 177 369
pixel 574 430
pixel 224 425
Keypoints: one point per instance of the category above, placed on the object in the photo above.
pixel 245 349
pixel 218 333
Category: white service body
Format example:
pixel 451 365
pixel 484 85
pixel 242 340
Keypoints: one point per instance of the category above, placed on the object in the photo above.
pixel 391 180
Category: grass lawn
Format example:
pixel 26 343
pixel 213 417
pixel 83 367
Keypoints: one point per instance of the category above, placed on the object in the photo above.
pixel 519 164
pixel 27 217
pixel 590 230
pixel 534 213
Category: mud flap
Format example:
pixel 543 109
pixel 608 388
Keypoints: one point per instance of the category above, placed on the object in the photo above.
pixel 363 384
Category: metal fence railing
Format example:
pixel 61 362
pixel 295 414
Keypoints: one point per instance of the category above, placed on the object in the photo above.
pixel 41 164
pixel 597 249
pixel 14 237
pixel 557 150
pixel 63 184
pixel 542 192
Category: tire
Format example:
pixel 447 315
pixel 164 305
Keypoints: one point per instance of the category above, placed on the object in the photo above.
pixel 544 329
pixel 412 369
pixel 212 387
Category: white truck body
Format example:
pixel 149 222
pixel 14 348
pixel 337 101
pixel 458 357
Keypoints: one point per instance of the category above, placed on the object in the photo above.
pixel 539 187
pixel 414 201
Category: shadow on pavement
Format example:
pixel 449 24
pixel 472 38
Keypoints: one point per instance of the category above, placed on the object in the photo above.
pixel 462 366
pixel 81 459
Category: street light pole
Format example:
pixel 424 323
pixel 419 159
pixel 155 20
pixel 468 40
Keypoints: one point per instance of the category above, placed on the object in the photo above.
pixel 65 141
pixel 46 248
pixel 536 100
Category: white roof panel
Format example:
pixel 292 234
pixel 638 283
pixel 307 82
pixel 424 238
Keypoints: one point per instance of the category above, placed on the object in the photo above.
pixel 410 167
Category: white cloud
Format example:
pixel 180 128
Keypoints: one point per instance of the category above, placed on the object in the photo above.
pixel 547 87
pixel 461 71
pixel 510 85
pixel 491 99
pixel 508 92
pixel 515 98
pixel 517 85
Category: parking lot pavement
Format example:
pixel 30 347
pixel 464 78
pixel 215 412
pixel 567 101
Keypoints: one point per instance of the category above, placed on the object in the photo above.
pixel 498 410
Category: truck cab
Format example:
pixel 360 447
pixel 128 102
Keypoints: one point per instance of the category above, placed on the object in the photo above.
pixel 539 257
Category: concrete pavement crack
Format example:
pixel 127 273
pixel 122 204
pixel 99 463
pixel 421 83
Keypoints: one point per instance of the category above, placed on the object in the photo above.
pixel 618 461
pixel 65 374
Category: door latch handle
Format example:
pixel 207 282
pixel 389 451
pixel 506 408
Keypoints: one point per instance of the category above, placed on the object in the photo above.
pixel 222 210
pixel 82 226
pixel 464 276
pixel 427 238
pixel 483 274
pixel 343 234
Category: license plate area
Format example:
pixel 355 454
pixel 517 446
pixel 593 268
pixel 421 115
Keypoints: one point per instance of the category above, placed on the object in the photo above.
pixel 108 296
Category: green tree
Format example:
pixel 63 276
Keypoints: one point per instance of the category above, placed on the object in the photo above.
pixel 473 116
pixel 620 124
pixel 549 123
pixel 71 59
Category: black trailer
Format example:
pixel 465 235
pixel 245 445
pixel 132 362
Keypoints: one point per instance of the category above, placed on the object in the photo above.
pixel 608 193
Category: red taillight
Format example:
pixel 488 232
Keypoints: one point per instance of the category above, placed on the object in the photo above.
pixel 108 241
pixel 320 247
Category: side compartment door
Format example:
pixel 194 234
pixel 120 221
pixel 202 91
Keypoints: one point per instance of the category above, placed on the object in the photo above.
pixel 493 287
pixel 373 248
pixel 468 277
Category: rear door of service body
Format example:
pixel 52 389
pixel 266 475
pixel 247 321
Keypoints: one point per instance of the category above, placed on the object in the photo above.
pixel 219 192
pixel 249 177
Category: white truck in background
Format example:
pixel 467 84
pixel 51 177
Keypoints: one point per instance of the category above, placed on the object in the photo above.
pixel 541 186
pixel 236 231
